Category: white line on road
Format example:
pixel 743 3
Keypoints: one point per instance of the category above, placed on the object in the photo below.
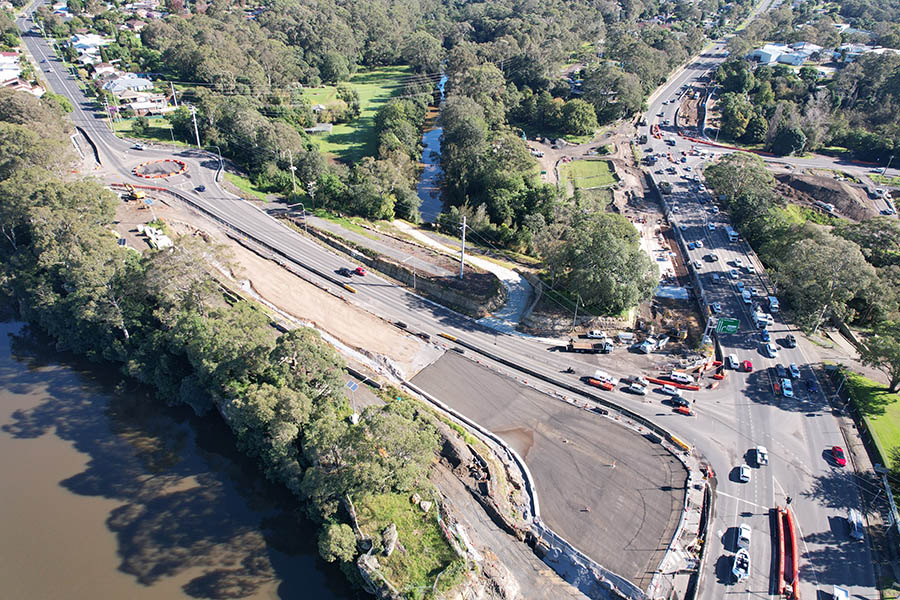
pixel 721 493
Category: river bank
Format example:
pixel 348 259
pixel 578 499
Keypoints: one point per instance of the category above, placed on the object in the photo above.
pixel 110 494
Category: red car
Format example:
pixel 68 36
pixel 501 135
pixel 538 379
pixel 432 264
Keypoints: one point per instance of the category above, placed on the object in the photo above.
pixel 360 271
pixel 837 453
pixel 747 366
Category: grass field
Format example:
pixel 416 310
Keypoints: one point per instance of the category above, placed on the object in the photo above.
pixel 159 131
pixel 351 141
pixel 885 180
pixel 801 214
pixel 245 185
pixel 587 174
pixel 881 413
pixel 426 553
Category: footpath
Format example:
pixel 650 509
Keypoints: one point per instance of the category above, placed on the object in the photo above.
pixel 519 291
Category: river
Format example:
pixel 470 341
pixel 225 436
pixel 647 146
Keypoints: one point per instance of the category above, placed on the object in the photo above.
pixel 108 493
pixel 429 190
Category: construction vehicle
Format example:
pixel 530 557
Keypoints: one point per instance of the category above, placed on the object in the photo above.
pixel 133 194
pixel 604 347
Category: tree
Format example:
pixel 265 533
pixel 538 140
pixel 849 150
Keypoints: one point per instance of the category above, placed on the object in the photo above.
pixel 578 117
pixel 140 125
pixel 598 256
pixel 424 52
pixel 878 238
pixel 334 67
pixel 738 173
pixel 736 114
pixel 613 92
pixel 788 140
pixel 337 542
pixel 882 351
pixel 820 275
pixel 756 129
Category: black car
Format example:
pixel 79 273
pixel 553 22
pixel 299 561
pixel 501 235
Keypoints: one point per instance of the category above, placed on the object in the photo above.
pixel 812 385
pixel 345 272
pixel 201 188
pixel 790 341
pixel 779 368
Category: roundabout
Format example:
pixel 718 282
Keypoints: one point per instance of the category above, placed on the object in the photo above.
pixel 159 169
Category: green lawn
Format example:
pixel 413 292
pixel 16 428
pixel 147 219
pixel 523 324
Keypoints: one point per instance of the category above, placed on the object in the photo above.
pixel 885 180
pixel 801 214
pixel 245 185
pixel 880 411
pixel 586 174
pixel 351 141
pixel 159 130
pixel 426 553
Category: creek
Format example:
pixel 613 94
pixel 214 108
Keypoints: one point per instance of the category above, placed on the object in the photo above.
pixel 108 493
pixel 429 190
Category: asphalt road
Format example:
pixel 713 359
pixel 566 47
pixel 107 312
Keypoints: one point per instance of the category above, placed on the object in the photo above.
pixel 744 412
pixel 730 419
pixel 608 490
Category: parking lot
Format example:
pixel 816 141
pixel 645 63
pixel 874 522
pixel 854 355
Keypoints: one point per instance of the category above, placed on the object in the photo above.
pixel 615 495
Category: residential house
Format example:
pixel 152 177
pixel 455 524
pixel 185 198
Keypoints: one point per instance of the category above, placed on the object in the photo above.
pixel 127 82
pixel 101 69
pixel 794 55
pixel 769 53
pixel 135 25
pixel 23 86
pixel 850 52
pixel 9 66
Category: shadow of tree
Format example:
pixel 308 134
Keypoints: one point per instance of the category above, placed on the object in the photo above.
pixel 188 500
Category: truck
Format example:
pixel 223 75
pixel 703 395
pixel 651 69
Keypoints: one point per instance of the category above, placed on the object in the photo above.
pixel 732 234
pixel 588 347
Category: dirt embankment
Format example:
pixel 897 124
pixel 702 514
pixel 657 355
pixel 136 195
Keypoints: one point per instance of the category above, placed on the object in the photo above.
pixel 848 201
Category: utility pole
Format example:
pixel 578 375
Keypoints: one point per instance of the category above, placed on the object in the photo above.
pixel 174 97
pixel 196 133
pixel 462 254
pixel 293 168
pixel 575 318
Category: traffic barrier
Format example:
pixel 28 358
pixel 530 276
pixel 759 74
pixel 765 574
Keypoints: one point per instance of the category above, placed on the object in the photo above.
pixel 681 444
pixel 780 550
pixel 682 386
pixel 795 555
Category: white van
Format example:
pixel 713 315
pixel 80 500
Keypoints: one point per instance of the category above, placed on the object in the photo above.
pixel 681 377
pixel 731 361
pixel 773 304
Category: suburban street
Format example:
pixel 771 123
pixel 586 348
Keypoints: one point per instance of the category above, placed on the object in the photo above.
pixel 741 413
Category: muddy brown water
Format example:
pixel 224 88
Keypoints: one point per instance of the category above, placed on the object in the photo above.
pixel 107 493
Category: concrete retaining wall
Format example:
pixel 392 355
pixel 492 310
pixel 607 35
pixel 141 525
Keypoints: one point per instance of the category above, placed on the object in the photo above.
pixel 427 286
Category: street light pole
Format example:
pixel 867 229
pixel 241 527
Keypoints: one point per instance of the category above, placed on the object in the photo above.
pixel 311 188
pixel 293 168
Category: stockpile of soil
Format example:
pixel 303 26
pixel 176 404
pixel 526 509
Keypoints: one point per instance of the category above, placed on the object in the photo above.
pixel 848 201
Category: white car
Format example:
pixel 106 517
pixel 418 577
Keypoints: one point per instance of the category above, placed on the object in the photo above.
pixel 743 537
pixel 595 334
pixel 734 274
pixel 762 456
pixel 750 269
pixel 738 263
pixel 771 350
pixel 741 567
pixel 637 388
pixel 699 243
pixel 711 226
pixel 744 474
pixel 697 264
pixel 671 390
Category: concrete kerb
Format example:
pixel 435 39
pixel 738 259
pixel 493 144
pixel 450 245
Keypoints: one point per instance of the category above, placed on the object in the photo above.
pixel 492 439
